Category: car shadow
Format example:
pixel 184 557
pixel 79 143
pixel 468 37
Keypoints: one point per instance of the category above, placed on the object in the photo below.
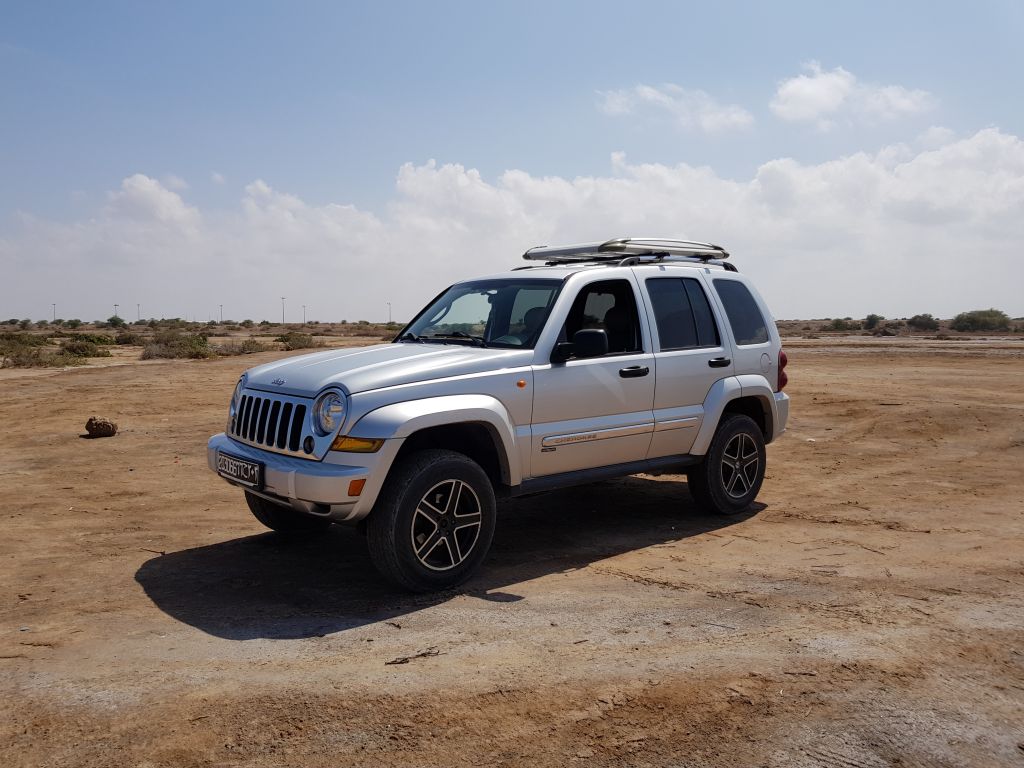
pixel 285 587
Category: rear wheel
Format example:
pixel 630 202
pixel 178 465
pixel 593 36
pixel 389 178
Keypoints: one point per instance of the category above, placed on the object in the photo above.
pixel 728 479
pixel 282 519
pixel 434 521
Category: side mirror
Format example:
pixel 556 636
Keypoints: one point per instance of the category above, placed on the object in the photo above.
pixel 590 342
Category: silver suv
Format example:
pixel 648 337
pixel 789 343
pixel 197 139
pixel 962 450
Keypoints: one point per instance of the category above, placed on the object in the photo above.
pixel 592 361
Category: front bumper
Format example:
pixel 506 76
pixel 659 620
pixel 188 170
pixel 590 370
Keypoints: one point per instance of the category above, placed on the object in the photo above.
pixel 319 488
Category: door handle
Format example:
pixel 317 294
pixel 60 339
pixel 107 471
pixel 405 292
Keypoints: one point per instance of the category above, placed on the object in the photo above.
pixel 719 362
pixel 634 371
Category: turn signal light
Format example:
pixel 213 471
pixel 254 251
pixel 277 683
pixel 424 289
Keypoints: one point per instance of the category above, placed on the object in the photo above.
pixel 356 444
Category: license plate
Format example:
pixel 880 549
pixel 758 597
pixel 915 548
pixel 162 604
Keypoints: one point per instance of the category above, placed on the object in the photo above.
pixel 241 471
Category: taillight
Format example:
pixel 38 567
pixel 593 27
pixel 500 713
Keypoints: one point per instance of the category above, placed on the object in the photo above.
pixel 783 378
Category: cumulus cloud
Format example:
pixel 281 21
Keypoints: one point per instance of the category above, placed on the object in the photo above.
pixel 689 109
pixel 824 97
pixel 178 184
pixel 904 230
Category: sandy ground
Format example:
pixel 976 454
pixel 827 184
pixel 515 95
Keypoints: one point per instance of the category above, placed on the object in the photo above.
pixel 870 612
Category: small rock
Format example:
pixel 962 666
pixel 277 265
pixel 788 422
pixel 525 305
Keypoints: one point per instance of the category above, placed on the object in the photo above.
pixel 97 427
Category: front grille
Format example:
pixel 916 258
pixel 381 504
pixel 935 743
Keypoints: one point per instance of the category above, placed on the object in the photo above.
pixel 271 422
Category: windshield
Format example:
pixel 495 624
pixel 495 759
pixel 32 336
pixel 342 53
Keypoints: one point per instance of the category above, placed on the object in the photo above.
pixel 507 313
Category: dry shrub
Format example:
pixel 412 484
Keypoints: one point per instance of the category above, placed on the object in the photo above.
pixel 246 347
pixel 173 344
pixel 293 340
pixel 18 350
pixel 129 338
pixel 79 347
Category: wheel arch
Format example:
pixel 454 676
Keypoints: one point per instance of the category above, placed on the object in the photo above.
pixel 478 426
pixel 750 395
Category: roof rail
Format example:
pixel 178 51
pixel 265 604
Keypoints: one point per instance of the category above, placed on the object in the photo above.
pixel 610 250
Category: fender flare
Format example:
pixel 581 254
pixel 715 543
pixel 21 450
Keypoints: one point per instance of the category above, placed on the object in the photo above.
pixel 401 420
pixel 725 391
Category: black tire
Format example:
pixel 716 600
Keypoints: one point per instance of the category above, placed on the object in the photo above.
pixel 428 545
pixel 282 519
pixel 729 478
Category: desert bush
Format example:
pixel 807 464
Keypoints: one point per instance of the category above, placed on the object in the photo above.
pixel 127 337
pixel 871 321
pixel 24 324
pixel 79 347
pixel 115 322
pixel 36 357
pixel 246 323
pixel 100 339
pixel 842 325
pixel 981 320
pixel 173 344
pixel 72 323
pixel 245 347
pixel 293 340
pixel 923 322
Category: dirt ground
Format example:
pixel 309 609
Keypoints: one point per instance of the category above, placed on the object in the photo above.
pixel 870 612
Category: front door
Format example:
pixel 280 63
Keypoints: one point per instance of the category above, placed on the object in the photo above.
pixel 596 412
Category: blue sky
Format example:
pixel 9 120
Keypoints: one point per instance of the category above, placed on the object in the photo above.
pixel 324 103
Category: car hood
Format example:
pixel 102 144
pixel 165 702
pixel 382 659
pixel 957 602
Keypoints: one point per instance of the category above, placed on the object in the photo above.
pixel 358 369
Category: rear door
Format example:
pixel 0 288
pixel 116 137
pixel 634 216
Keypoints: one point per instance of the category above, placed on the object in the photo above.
pixel 596 412
pixel 690 350
pixel 750 327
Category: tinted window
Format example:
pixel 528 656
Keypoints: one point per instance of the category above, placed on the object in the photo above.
pixel 744 316
pixel 611 306
pixel 682 313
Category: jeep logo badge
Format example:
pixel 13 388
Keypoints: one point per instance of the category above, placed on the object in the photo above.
pixel 278 382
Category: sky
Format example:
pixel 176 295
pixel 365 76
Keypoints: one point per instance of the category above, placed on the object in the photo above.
pixel 191 158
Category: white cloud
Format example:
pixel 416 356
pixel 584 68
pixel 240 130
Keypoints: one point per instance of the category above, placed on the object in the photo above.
pixel 900 231
pixel 690 109
pixel 176 183
pixel 217 178
pixel 824 97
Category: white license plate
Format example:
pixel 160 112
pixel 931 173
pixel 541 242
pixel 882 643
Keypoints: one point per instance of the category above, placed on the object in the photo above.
pixel 242 471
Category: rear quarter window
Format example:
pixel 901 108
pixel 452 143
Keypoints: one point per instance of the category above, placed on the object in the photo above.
pixel 745 318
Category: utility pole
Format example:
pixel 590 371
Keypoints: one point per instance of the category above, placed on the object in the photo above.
pixel 138 311
pixel 115 309
pixel 55 313
pixel 222 314
pixel 303 314
pixel 389 313
pixel 282 310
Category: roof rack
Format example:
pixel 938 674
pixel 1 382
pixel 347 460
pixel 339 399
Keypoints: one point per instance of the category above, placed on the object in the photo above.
pixel 611 250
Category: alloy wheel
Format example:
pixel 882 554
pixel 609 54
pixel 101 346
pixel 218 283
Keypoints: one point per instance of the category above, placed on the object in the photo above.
pixel 740 462
pixel 446 525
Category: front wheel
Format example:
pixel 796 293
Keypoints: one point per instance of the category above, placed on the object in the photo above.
pixel 728 479
pixel 434 521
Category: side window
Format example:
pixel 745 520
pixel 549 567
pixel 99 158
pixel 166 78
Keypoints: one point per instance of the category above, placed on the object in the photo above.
pixel 610 306
pixel 747 323
pixel 682 313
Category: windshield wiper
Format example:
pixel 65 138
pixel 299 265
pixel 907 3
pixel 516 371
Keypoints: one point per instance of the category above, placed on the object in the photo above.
pixel 410 336
pixel 476 341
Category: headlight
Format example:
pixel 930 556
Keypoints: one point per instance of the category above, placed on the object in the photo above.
pixel 236 397
pixel 328 413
